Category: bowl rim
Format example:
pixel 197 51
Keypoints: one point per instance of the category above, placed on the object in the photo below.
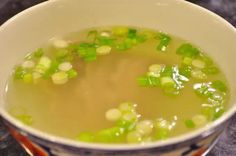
pixel 46 137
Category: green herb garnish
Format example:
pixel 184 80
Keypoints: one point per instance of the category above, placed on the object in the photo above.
pixel 189 123
pixel 187 50
pixel 164 42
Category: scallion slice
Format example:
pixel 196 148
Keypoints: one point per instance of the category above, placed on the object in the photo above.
pixel 164 42
pixel 187 50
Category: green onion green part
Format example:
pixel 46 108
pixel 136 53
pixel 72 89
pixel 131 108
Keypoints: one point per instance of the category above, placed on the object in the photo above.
pixel 164 42
pixel 187 50
pixel 189 123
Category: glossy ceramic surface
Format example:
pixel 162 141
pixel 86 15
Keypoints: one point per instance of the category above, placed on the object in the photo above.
pixel 58 17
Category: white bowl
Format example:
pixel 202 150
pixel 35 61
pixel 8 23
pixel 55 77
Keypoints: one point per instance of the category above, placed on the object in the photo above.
pixel 29 29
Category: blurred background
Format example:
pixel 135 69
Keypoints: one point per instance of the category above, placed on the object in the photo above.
pixel 226 146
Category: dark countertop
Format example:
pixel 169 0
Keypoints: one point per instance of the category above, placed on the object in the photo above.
pixel 226 145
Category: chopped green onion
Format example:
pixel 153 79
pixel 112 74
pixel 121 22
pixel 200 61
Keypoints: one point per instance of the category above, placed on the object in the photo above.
pixel 60 78
pixel 148 34
pixel 129 116
pixel 105 40
pixel 28 64
pixel 105 34
pixel 218 112
pixel 54 66
pixel 110 135
pixel 82 47
pixel 143 81
pixel 153 81
pixel 62 54
pixel 199 120
pixel 127 107
pixel 45 62
pixel 85 137
pixel 211 70
pixel 87 51
pixel 40 69
pixel 163 128
pixel 113 114
pixel 72 73
pixel 203 90
pixel 130 42
pixel 189 123
pixel 127 43
pixel 126 125
pixel 162 133
pixel 198 74
pixel 161 123
pixel 122 46
pixel 185 71
pixel 148 81
pixel 145 127
pixel 167 82
pixel 134 137
pixel 92 35
pixel 28 78
pixel 198 63
pixel 187 60
pixel 187 50
pixel 19 73
pixel 208 110
pixel 53 69
pixel 120 31
pixel 38 53
pixel 156 68
pixel 154 75
pixel 74 47
pixel 164 42
pixel 65 66
pixel 206 59
pixel 212 112
pixel 103 50
pixel 167 71
pixel 35 55
pixel 43 65
pixel 132 33
pixel 169 77
pixel 217 97
pixel 219 85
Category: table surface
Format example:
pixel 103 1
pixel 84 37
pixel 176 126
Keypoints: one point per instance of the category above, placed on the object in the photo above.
pixel 226 145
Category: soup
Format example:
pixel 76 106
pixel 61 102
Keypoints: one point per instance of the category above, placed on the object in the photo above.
pixel 117 85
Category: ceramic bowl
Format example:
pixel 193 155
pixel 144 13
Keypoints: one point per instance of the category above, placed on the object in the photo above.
pixel 29 29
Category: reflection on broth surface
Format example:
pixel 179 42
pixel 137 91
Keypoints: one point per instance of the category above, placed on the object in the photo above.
pixel 117 85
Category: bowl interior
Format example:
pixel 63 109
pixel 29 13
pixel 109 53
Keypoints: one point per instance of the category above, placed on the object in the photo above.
pixel 28 30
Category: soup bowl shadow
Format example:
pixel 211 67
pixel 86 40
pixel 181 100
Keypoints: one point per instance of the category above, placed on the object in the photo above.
pixel 32 27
